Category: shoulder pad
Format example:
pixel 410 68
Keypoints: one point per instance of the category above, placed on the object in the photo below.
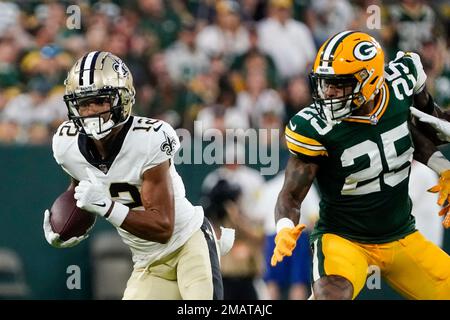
pixel 64 137
pixel 163 143
pixel 304 133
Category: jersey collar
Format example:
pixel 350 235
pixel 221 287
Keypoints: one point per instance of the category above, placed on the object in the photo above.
pixel 90 153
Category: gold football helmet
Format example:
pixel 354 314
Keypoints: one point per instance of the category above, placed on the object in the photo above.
pixel 99 77
pixel 352 61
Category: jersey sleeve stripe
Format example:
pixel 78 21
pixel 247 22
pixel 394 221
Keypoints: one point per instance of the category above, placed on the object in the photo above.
pixel 297 149
pixel 305 145
pixel 298 137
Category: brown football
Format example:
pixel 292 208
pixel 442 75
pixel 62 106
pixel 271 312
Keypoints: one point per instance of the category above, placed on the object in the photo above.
pixel 67 219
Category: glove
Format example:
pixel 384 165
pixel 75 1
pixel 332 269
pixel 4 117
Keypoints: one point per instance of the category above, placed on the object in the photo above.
pixel 53 238
pixel 441 126
pixel 285 242
pixel 226 240
pixel 92 195
pixel 443 187
pixel 399 54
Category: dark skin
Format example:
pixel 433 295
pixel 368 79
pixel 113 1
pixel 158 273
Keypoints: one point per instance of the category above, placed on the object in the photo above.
pixel 300 175
pixel 156 222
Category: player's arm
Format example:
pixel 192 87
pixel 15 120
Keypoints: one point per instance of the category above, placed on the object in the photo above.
pixel 430 119
pixel 424 147
pixel 299 176
pixel 425 108
pixel 156 223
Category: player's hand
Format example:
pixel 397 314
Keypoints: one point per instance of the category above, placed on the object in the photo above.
pixel 443 187
pixel 441 126
pixel 53 238
pixel 92 196
pixel 285 242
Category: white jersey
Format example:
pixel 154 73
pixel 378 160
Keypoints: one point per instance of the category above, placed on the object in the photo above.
pixel 143 143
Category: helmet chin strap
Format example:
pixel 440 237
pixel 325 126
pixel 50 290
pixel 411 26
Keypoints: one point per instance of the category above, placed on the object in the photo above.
pixel 92 127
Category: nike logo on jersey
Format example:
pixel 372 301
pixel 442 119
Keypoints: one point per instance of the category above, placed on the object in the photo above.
pixel 159 127
pixel 293 127
pixel 100 204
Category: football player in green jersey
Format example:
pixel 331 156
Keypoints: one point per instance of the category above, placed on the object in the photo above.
pixel 357 141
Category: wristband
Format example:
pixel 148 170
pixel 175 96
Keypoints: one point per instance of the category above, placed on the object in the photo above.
pixel 284 223
pixel 118 214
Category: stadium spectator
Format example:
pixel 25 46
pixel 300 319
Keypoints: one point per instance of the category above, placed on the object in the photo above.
pixel 228 36
pixel 231 194
pixel 288 42
pixel 184 59
pixel 408 24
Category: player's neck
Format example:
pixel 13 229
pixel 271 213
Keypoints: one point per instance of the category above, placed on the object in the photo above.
pixel 104 146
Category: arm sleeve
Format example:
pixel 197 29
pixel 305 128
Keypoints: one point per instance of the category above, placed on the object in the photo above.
pixel 302 140
pixel 163 145
pixel 60 144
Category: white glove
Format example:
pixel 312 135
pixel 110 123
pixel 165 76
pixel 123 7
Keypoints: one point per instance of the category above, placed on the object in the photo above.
pixel 53 238
pixel 92 195
pixel 421 76
pixel 226 240
pixel 442 127
pixel 398 55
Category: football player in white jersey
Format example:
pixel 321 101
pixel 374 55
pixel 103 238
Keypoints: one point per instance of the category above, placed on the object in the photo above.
pixel 122 169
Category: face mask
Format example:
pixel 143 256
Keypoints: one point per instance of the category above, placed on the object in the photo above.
pixel 96 128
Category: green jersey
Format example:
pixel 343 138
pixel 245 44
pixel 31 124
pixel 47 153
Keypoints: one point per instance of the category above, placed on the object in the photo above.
pixel 364 162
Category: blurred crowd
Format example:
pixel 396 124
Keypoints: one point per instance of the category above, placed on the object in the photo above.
pixel 231 64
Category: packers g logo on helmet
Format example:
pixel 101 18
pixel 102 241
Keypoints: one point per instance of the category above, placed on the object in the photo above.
pixel 101 77
pixel 365 50
pixel 353 62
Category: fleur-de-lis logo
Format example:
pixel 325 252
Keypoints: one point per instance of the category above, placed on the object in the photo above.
pixel 168 145
pixel 120 68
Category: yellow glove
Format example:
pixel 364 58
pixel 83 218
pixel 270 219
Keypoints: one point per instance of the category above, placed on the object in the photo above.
pixel 443 187
pixel 285 242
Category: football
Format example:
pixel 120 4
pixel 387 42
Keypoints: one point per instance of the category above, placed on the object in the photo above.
pixel 67 219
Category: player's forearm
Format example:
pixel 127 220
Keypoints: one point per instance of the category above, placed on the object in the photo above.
pixel 288 206
pixel 152 224
pixel 424 102
pixel 427 153
pixel 156 222
pixel 424 146
pixel 298 179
